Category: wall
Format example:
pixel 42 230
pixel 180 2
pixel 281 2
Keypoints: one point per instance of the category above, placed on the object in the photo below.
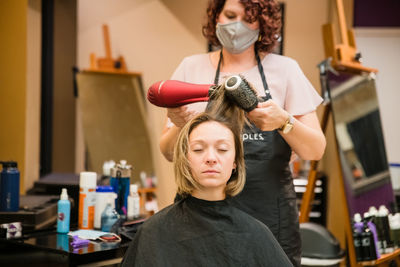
pixel 13 70
pixel 20 24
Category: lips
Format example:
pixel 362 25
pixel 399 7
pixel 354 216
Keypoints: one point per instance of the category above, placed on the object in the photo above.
pixel 210 171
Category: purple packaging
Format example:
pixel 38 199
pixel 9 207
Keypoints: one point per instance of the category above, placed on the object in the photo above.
pixel 372 227
pixel 14 230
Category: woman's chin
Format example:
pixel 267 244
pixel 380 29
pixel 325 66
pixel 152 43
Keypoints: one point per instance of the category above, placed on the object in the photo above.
pixel 209 183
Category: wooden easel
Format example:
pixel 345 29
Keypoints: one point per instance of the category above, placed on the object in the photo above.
pixel 107 64
pixel 343 57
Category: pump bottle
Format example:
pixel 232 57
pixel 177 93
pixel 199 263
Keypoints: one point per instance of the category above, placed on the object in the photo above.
pixel 64 211
pixel 133 203
pixel 109 216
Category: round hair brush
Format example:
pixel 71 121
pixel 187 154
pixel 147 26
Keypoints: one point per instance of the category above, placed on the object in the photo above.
pixel 239 90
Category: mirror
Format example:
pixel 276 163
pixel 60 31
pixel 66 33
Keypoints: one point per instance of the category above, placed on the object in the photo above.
pixel 114 121
pixel 360 141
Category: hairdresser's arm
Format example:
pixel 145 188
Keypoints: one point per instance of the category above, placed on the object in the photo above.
pixel 306 137
pixel 178 116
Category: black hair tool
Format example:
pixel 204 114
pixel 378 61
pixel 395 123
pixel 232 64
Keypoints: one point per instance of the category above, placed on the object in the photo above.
pixel 239 90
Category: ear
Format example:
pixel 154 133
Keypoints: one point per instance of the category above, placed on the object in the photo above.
pixel 234 165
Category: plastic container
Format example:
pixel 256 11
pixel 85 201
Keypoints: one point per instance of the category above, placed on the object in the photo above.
pixel 9 186
pixel 87 199
pixel 102 194
pixel 383 216
pixel 109 216
pixel 133 203
pixel 394 221
pixel 63 212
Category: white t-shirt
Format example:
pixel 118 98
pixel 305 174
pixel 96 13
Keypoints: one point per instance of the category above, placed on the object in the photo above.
pixel 287 84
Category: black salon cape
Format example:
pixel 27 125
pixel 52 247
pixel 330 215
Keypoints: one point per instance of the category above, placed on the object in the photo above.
pixel 195 232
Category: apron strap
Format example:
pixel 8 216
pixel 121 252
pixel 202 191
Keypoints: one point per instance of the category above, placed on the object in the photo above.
pixel 218 68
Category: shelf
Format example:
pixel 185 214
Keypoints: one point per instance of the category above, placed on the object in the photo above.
pixel 147 190
pixel 385 258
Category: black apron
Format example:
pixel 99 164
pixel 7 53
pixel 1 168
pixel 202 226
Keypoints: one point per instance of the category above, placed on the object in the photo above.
pixel 268 194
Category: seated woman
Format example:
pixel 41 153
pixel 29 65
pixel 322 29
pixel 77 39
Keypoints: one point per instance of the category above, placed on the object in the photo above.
pixel 202 228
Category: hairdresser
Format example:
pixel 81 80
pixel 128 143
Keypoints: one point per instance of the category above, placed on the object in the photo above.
pixel 247 31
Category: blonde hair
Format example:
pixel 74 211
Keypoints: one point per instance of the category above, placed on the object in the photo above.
pixel 223 111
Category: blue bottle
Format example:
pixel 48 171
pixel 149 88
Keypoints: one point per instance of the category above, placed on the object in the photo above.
pixel 109 216
pixel 64 212
pixel 9 186
pixel 120 181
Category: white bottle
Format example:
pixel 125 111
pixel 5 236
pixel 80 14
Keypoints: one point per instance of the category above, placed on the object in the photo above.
pixel 133 203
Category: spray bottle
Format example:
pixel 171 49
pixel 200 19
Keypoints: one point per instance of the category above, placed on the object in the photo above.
pixel 64 211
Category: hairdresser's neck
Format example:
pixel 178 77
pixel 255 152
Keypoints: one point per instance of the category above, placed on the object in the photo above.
pixel 238 62
pixel 209 194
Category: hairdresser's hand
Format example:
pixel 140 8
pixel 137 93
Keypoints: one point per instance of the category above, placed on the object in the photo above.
pixel 268 116
pixel 180 115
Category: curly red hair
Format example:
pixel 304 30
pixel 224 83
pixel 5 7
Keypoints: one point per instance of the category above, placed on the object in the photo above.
pixel 267 12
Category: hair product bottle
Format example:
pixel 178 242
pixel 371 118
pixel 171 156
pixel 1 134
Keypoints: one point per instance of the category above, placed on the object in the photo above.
pixel 9 186
pixel 87 199
pixel 120 181
pixel 383 216
pixel 109 216
pixel 102 194
pixel 394 222
pixel 368 244
pixel 133 203
pixel 64 211
pixel 373 216
pixel 357 236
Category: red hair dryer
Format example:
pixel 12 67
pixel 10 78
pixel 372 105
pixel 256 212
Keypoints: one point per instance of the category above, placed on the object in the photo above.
pixel 171 93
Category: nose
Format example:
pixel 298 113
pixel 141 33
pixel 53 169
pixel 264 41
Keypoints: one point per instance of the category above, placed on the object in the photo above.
pixel 211 157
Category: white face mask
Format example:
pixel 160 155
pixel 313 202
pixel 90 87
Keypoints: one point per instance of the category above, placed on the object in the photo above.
pixel 236 37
